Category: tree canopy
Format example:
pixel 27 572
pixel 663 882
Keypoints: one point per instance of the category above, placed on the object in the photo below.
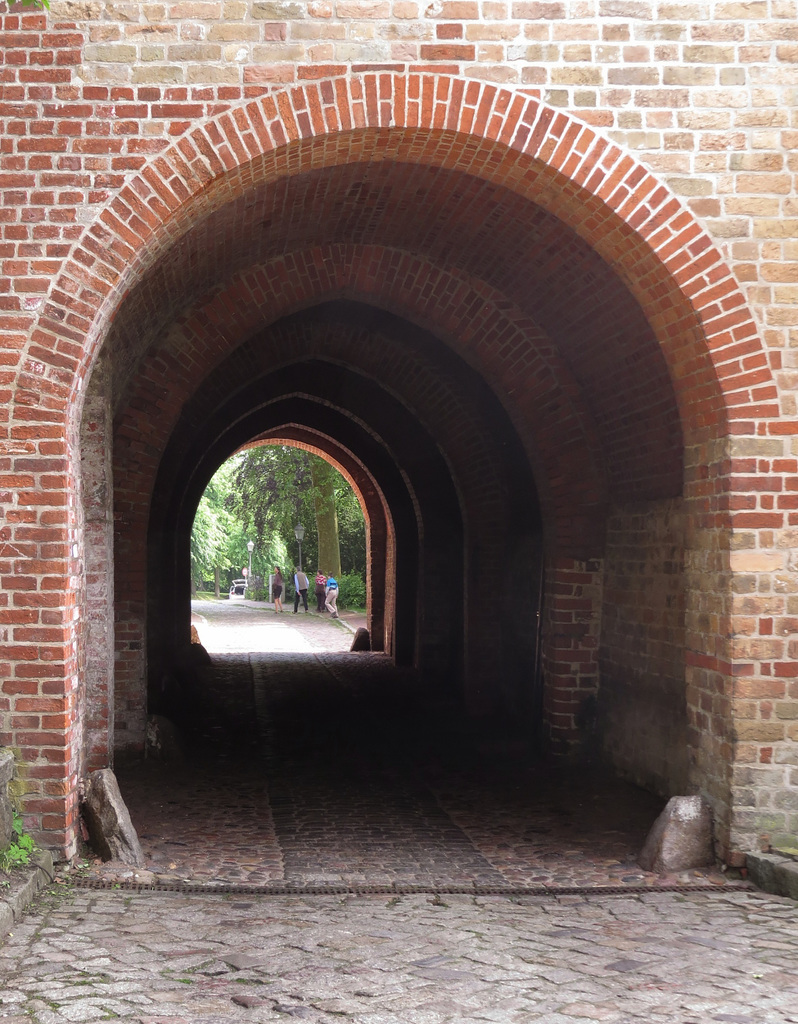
pixel 260 495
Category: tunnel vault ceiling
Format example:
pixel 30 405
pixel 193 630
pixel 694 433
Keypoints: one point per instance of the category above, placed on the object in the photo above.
pixel 441 452
pixel 609 362
pixel 431 416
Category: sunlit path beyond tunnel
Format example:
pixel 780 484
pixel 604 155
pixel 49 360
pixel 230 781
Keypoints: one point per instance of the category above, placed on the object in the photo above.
pixel 236 626
pixel 316 767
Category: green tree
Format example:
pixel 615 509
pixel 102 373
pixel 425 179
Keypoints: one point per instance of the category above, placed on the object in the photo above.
pixel 260 495
pixel 324 479
pixel 216 535
pixel 351 532
pixel 278 486
pixel 40 4
pixel 272 491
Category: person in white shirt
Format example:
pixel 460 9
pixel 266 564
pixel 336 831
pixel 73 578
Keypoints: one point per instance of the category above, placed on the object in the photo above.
pixel 301 589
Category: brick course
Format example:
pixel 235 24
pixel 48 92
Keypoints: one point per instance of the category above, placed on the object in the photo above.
pixel 632 174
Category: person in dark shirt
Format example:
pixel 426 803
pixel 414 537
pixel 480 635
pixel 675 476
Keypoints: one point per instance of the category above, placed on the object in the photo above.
pixel 321 587
pixel 277 589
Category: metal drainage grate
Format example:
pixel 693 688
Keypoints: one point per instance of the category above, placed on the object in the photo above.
pixel 283 889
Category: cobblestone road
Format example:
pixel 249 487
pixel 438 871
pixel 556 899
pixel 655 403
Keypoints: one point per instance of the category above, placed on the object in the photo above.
pixel 320 766
pixel 167 958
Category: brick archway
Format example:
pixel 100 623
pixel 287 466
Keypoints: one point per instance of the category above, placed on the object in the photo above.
pixel 618 207
pixel 380 530
pixel 717 366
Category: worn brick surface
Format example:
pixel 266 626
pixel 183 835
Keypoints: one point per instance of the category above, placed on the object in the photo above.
pixel 595 208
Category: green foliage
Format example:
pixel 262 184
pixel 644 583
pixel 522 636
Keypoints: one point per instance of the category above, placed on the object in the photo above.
pixel 18 853
pixel 274 491
pixel 220 534
pixel 38 4
pixel 214 529
pixel 352 591
pixel 351 531
pixel 260 495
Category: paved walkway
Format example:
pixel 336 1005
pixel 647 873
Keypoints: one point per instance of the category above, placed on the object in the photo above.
pixel 168 958
pixel 238 626
pixel 330 768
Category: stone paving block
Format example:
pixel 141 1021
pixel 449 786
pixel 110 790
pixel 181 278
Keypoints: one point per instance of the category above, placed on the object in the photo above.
pixel 335 966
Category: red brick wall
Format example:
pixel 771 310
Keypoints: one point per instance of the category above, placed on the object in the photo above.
pixel 611 246
pixel 570 637
pixel 642 703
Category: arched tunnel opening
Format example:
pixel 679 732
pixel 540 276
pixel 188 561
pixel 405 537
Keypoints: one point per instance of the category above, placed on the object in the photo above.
pixel 440 574
pixel 502 404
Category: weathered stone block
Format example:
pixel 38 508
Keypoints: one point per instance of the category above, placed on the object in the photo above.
pixel 107 818
pixel 6 812
pixel 774 873
pixel 361 640
pixel 680 838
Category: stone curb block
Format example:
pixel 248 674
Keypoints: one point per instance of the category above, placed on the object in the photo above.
pixel 773 873
pixel 24 886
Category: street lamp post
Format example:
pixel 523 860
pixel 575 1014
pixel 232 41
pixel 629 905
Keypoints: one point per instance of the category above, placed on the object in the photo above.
pixel 250 549
pixel 299 533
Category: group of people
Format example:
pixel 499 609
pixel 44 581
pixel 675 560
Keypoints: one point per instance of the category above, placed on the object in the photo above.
pixel 326 591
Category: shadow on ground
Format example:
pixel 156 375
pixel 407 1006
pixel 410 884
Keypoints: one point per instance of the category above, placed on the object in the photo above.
pixel 337 768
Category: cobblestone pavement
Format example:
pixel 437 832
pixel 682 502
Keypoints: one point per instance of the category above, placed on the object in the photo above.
pixel 170 958
pixel 318 766
pixel 324 767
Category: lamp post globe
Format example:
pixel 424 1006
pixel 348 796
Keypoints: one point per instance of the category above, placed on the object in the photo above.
pixel 299 533
pixel 250 549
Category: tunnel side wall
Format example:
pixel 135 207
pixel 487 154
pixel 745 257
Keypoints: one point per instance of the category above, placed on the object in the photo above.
pixel 642 710
pixel 97 483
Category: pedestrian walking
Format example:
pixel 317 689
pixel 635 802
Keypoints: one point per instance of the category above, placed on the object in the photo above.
pixel 300 589
pixel 277 589
pixel 321 589
pixel 332 596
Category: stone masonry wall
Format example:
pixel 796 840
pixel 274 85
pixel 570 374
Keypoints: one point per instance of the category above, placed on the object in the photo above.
pixel 97 483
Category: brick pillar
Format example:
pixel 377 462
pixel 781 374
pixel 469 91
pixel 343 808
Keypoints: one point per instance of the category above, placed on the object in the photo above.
pixel 710 662
pixel 97 488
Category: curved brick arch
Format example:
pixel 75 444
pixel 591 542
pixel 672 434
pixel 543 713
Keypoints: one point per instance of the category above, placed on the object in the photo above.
pixel 529 376
pixel 380 531
pixel 717 364
pixel 623 211
pixel 457 416
pixel 397 451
